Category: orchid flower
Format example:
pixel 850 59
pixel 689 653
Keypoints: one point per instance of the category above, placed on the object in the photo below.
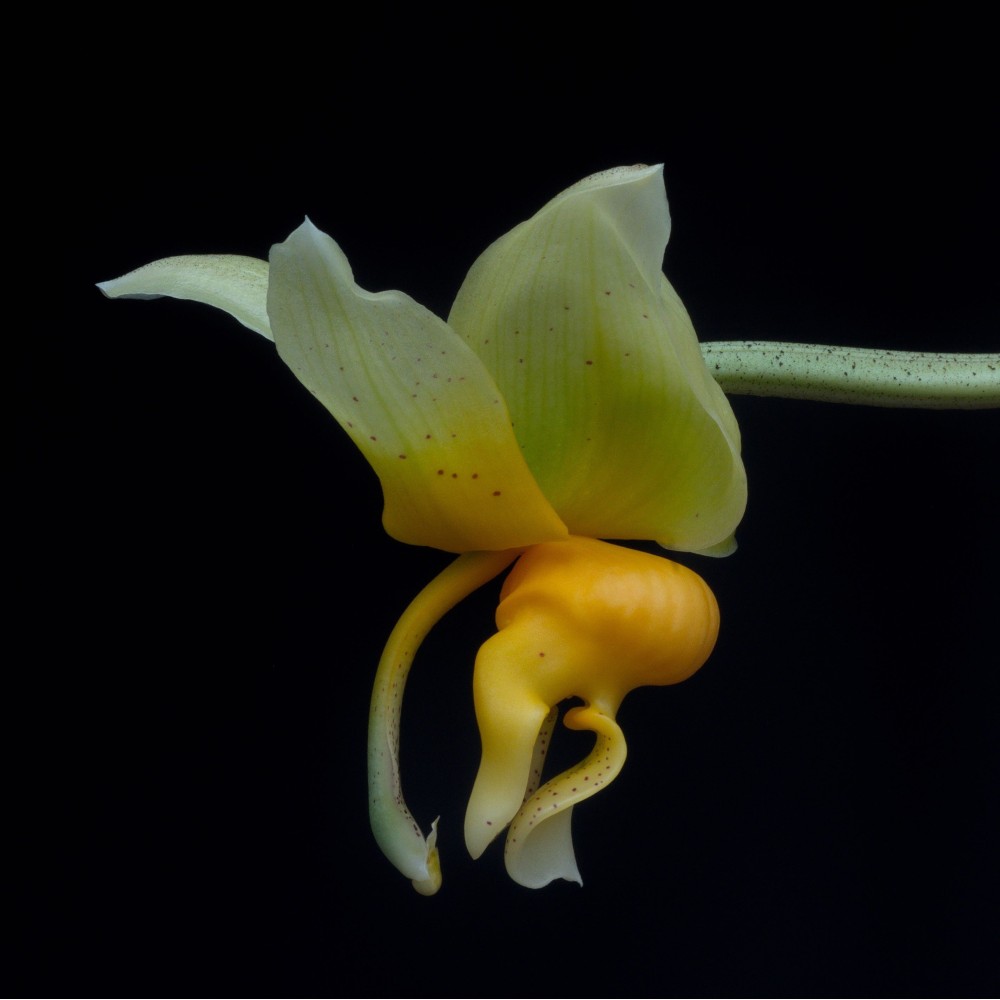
pixel 565 401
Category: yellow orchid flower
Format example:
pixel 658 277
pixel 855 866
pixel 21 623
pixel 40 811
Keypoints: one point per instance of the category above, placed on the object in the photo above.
pixel 565 400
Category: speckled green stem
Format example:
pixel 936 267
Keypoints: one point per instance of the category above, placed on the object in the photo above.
pixel 860 376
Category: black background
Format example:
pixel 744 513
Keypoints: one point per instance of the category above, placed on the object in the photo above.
pixel 209 587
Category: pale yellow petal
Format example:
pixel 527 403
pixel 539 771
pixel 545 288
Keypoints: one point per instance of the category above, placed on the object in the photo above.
pixel 621 423
pixel 415 399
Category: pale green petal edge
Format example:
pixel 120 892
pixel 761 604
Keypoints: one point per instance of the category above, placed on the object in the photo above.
pixel 414 398
pixel 235 284
pixel 615 411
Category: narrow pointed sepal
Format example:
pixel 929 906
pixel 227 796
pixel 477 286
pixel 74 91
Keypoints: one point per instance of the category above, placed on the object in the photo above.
pixel 237 285
pixel 414 398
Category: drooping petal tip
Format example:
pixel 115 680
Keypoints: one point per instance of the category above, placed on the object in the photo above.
pixel 235 284
pixel 429 886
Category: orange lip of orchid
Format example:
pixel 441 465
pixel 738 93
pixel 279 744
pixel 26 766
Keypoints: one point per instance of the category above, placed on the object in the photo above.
pixel 577 618
pixel 565 400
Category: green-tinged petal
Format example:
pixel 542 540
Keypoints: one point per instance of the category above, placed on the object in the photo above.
pixel 577 618
pixel 621 423
pixel 415 399
pixel 237 285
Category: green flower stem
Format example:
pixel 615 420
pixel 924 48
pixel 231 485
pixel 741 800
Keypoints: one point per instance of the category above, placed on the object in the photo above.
pixel 860 376
pixel 396 832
